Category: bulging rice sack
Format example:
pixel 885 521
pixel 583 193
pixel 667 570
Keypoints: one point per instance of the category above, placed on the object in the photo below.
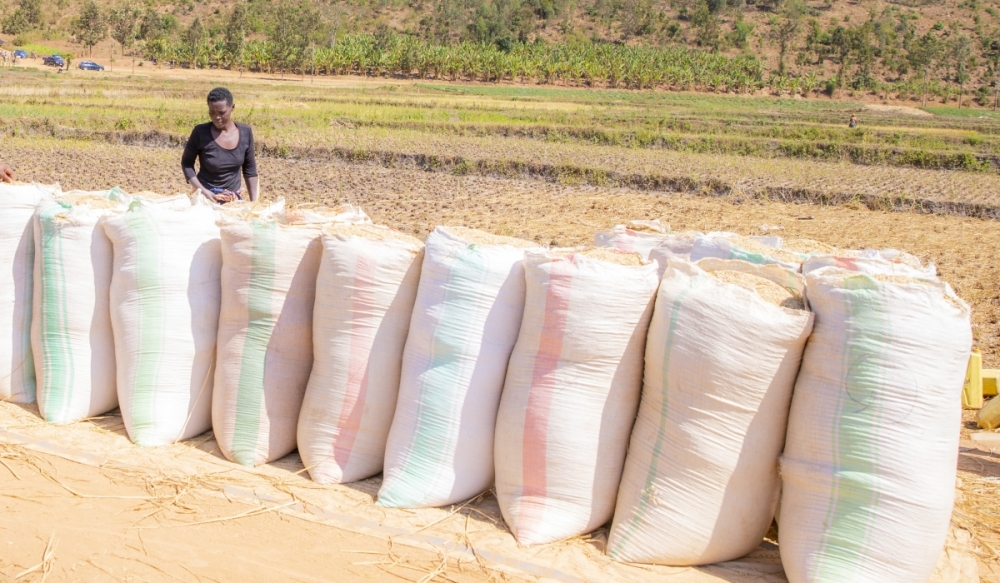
pixel 165 295
pixel 17 260
pixel 270 260
pixel 365 290
pixel 869 464
pixel 701 478
pixel 638 237
pixel 465 321
pixel 72 340
pixel 571 392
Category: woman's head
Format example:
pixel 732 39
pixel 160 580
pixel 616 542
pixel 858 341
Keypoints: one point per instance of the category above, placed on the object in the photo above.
pixel 220 106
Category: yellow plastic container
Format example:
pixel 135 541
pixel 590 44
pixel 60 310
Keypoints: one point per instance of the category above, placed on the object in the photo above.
pixel 989 376
pixel 972 393
pixel 989 415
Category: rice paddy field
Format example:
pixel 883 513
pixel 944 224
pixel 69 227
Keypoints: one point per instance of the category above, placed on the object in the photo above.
pixel 554 165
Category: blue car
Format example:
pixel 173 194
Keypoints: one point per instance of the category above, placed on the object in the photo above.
pixel 20 54
pixel 54 60
pixel 90 66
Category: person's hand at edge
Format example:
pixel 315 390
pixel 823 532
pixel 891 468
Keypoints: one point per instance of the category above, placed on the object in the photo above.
pixel 6 173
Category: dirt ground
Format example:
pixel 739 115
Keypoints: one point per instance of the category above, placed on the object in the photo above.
pixel 81 503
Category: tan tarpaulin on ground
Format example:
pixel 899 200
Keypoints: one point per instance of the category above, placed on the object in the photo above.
pixel 455 531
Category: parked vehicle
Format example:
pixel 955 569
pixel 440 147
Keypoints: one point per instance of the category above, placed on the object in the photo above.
pixel 90 66
pixel 20 54
pixel 54 61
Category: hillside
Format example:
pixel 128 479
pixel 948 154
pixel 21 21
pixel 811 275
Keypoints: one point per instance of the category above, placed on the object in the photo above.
pixel 906 50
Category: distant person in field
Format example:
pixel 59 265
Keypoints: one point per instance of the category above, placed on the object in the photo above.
pixel 6 173
pixel 853 123
pixel 224 150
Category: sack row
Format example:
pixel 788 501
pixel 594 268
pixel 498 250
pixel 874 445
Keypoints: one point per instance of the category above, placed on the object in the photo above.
pixel 685 398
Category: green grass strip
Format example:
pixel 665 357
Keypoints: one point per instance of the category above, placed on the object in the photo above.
pixel 260 324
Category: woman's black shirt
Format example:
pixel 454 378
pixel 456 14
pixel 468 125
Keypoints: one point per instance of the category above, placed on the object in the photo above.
pixel 219 167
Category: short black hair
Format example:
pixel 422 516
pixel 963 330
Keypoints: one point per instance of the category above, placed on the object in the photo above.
pixel 220 94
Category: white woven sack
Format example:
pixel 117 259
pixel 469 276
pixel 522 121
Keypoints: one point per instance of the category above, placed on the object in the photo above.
pixel 364 299
pixel 17 260
pixel 638 237
pixel 165 295
pixel 71 336
pixel 701 478
pixel 464 325
pixel 869 464
pixel 673 246
pixel 571 394
pixel 872 261
pixel 269 268
pixel 727 246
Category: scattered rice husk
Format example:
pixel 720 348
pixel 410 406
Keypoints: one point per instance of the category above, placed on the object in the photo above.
pixel 477 237
pixel 630 259
pixel 91 200
pixel 808 247
pixel 371 232
pixel 765 288
pixel 754 246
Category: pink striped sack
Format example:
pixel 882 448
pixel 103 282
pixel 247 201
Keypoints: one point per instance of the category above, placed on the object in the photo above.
pixel 464 325
pixel 638 237
pixel 365 290
pixel 269 266
pixel 572 391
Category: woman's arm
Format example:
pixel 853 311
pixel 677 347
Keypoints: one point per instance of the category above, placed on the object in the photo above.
pixel 6 173
pixel 253 186
pixel 250 168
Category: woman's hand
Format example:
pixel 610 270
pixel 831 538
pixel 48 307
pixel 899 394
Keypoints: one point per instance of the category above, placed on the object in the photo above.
pixel 225 196
pixel 6 173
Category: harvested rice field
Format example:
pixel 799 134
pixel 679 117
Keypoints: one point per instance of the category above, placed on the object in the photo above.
pixel 547 165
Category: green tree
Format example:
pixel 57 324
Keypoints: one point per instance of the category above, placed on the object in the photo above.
pixel 706 25
pixel 785 28
pixel 960 54
pixel 194 41
pixel 292 29
pixel 27 16
pixel 236 36
pixel 124 21
pixel 90 27
pixel 924 53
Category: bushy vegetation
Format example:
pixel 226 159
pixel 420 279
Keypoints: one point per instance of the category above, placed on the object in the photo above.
pixel 806 47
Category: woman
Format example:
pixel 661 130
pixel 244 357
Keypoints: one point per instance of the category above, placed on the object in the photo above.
pixel 6 173
pixel 224 150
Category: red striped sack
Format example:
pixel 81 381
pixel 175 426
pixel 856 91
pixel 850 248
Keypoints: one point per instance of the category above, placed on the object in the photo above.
pixel 571 392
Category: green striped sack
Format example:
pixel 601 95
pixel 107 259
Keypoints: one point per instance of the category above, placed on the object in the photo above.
pixel 701 481
pixel 465 321
pixel 72 340
pixel 871 451
pixel 165 295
